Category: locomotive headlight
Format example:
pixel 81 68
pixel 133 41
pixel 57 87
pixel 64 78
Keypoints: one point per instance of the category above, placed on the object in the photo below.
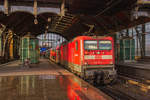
pixel 111 62
pixel 85 63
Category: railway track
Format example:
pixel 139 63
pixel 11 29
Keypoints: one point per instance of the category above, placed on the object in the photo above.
pixel 126 89
pixel 139 73
pixel 134 78
pixel 115 93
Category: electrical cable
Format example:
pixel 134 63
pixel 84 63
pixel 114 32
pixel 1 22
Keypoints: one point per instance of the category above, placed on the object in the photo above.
pixel 108 8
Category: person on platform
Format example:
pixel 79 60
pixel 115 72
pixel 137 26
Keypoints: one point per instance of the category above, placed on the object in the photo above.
pixel 26 63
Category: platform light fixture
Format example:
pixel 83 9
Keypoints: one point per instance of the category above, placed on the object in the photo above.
pixel 47 27
pixel 45 34
pixel 35 21
pixel 35 12
pixel 49 19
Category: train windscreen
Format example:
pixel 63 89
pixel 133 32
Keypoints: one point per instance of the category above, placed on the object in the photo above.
pixel 90 45
pixel 105 45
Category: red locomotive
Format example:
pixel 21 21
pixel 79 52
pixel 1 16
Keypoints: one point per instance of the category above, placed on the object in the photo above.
pixel 91 57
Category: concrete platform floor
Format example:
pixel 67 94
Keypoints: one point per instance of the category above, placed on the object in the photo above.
pixel 44 81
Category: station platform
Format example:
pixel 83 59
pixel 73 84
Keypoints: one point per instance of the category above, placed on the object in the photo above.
pixel 136 70
pixel 44 81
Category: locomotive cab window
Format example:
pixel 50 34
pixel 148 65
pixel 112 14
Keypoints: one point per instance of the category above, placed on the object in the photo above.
pixel 105 45
pixel 90 45
pixel 76 44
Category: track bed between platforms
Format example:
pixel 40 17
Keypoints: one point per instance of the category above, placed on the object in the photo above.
pixel 139 71
pixel 44 81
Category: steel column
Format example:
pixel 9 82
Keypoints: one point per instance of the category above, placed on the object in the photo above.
pixel 143 41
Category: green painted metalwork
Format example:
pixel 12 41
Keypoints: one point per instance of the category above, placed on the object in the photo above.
pixel 29 49
pixel 127 49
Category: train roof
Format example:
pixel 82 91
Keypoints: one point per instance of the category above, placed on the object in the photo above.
pixel 57 47
pixel 92 37
pixel 88 37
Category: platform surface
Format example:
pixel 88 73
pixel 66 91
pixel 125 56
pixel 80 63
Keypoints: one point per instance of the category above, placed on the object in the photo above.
pixel 44 81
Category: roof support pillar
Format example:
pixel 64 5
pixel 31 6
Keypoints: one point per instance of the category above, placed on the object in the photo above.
pixel 137 41
pixel 62 9
pixel 6 7
pixel 143 40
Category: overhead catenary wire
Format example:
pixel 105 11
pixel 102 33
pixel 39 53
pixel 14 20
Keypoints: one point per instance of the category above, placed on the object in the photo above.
pixel 109 7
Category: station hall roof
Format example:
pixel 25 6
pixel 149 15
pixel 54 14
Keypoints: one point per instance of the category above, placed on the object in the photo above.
pixel 107 17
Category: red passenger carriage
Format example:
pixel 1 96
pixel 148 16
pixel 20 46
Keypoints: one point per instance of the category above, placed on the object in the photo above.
pixel 53 55
pixel 57 54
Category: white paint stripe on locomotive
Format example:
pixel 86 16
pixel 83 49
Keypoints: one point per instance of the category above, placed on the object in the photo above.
pixel 97 57
pixel 89 56
pixel 106 56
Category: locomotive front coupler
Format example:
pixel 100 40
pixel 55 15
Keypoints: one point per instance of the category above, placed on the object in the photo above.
pixel 98 77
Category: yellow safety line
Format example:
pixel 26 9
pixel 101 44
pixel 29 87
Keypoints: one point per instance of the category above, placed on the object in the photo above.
pixel 144 87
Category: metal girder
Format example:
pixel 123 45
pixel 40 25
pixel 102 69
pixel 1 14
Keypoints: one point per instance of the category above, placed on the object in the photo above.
pixel 141 39
pixel 69 15
pixel 66 18
pixel 62 24
pixel 61 27
pixel 41 3
pixel 66 21
pixel 58 24
pixel 62 21
pixel 57 31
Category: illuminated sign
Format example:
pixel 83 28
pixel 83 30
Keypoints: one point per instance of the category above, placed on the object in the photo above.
pixel 43 49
